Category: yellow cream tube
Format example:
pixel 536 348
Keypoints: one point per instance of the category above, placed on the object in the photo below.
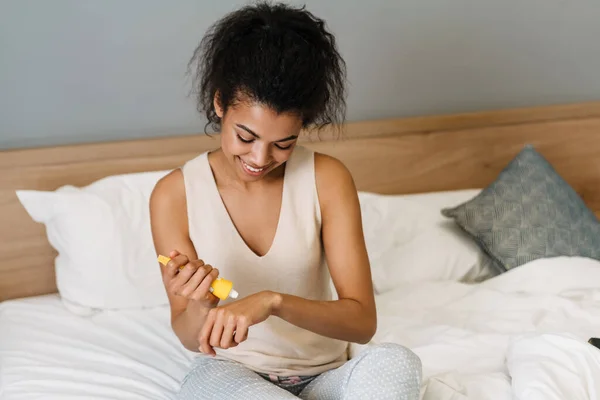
pixel 222 288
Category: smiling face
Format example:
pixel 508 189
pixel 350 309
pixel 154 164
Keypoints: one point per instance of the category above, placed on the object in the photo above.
pixel 255 140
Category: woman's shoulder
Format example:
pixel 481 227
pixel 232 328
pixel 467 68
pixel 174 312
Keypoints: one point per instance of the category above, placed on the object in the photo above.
pixel 331 171
pixel 326 167
pixel 169 191
pixel 168 208
pixel 334 180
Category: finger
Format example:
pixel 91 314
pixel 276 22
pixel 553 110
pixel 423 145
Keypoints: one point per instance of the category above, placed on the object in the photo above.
pixel 169 269
pixel 228 331
pixel 203 287
pixel 179 281
pixel 205 334
pixel 180 261
pixel 187 270
pixel 173 265
pixel 193 264
pixel 200 271
pixel 217 329
pixel 174 253
pixel 241 333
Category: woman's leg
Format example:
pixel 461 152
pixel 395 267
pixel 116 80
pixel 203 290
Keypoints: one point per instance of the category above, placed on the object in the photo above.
pixel 386 371
pixel 217 379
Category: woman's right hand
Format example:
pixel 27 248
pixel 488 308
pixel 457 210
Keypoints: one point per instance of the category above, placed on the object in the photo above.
pixel 190 279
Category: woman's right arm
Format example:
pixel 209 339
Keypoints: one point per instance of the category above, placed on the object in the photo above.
pixel 188 287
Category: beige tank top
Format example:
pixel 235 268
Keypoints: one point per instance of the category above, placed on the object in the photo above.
pixel 295 264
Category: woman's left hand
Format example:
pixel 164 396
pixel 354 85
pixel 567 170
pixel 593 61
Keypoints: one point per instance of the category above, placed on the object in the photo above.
pixel 227 326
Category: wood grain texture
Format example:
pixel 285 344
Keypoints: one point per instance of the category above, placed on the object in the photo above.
pixel 391 156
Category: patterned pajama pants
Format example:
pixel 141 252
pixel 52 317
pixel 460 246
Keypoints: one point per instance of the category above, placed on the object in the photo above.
pixel 383 372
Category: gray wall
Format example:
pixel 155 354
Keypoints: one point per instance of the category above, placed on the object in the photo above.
pixel 93 70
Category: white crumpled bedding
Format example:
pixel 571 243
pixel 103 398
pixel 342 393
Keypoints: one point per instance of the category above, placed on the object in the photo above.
pixel 523 333
pixel 47 352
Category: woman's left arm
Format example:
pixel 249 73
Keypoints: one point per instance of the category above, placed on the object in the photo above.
pixel 352 318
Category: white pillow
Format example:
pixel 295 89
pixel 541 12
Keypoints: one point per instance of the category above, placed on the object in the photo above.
pixel 106 257
pixel 553 366
pixel 408 240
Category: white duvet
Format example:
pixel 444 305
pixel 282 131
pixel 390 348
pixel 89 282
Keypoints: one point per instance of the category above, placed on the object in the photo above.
pixel 48 353
pixel 520 335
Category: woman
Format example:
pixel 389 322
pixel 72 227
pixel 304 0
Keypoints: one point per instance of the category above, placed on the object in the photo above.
pixel 276 219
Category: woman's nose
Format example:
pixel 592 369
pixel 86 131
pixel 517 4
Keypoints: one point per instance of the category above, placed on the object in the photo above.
pixel 261 156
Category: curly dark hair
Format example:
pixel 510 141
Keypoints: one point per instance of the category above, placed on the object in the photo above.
pixel 275 55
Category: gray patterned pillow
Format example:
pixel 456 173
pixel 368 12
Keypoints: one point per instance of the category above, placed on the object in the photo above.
pixel 529 212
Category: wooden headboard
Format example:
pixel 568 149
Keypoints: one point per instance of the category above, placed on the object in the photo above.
pixel 398 156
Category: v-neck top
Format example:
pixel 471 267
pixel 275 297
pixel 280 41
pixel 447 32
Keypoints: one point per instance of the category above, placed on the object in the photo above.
pixel 294 264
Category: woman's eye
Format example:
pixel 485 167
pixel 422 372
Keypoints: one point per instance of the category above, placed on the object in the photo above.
pixel 244 140
pixel 283 147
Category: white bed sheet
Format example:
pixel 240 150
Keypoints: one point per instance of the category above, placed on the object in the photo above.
pixel 47 352
pixel 464 333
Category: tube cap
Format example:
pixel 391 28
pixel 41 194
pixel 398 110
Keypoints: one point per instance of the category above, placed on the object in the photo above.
pixel 233 294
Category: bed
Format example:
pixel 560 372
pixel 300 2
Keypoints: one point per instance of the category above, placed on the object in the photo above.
pixel 480 332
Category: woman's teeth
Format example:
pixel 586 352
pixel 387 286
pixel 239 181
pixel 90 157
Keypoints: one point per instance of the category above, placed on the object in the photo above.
pixel 252 168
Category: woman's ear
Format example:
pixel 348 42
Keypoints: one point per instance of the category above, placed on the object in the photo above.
pixel 217 106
